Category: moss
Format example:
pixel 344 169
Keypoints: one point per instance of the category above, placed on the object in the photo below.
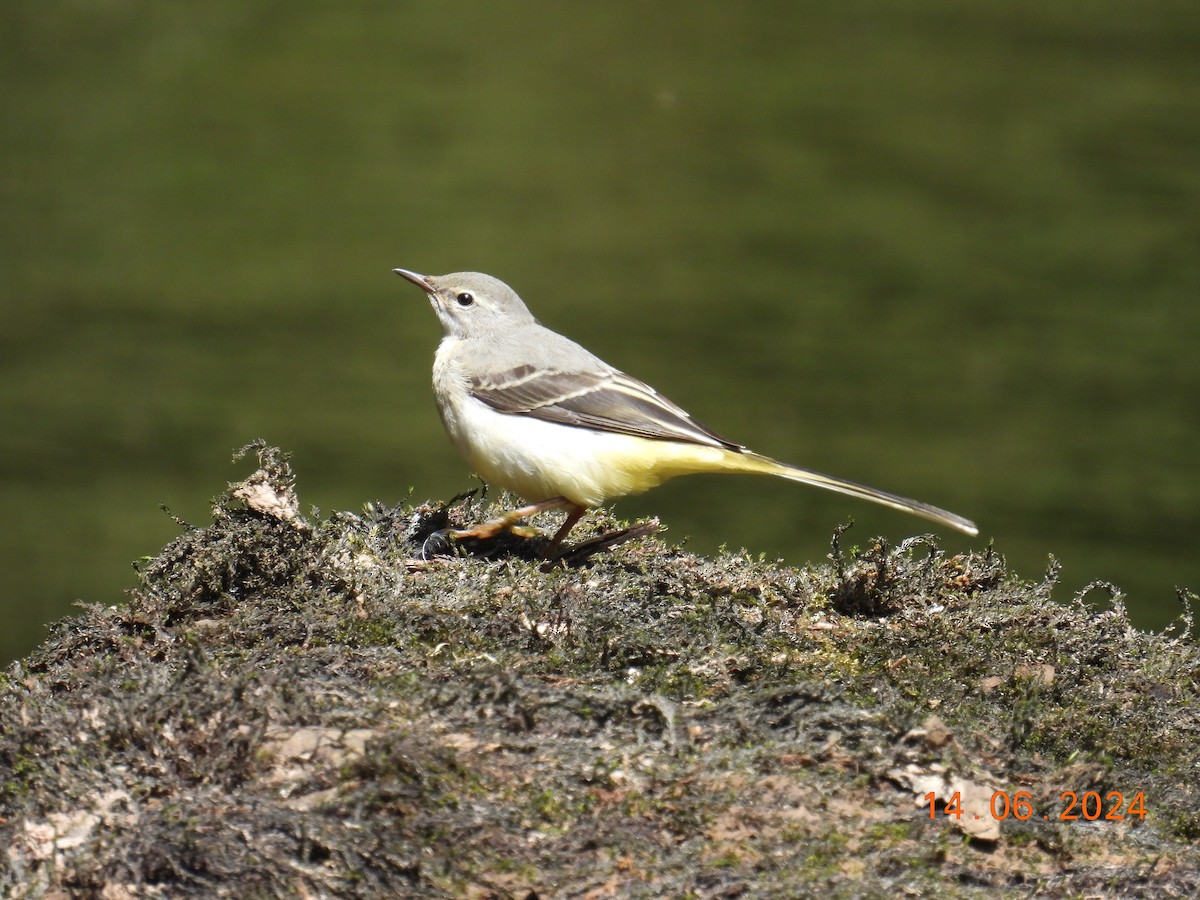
pixel 289 706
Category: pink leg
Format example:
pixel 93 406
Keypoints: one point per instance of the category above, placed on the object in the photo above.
pixel 574 514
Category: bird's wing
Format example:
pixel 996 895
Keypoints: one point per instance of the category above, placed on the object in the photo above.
pixel 602 399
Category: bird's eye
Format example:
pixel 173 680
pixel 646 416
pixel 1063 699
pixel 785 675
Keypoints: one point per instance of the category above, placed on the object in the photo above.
pixel 465 298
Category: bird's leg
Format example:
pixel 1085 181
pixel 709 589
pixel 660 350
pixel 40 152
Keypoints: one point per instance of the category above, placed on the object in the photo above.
pixel 508 522
pixel 493 527
pixel 574 514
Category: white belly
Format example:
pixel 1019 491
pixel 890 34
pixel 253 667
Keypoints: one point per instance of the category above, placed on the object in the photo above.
pixel 540 460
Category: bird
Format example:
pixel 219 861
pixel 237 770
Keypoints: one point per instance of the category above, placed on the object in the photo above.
pixel 539 415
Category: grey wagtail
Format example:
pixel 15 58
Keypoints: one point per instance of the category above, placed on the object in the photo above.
pixel 534 412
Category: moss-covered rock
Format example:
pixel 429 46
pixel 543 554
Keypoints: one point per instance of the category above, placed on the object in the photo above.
pixel 295 708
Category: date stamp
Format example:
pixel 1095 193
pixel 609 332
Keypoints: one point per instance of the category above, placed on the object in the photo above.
pixel 1088 806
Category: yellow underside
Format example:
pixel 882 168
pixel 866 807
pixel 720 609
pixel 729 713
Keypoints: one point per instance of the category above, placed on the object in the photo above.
pixel 645 464
pixel 539 460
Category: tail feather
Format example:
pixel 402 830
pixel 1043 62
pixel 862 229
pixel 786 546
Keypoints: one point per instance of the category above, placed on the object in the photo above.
pixel 768 466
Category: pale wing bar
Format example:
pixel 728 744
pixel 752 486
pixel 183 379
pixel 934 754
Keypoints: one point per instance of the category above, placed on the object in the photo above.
pixel 600 400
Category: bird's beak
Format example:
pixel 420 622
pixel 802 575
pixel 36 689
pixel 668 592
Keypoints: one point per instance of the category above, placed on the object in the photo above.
pixel 421 281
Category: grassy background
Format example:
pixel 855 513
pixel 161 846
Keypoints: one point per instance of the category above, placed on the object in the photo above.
pixel 948 251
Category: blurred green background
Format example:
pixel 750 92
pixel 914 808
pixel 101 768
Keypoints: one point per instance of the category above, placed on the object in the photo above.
pixel 947 249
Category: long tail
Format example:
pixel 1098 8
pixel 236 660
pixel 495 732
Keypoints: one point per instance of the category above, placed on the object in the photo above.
pixel 767 466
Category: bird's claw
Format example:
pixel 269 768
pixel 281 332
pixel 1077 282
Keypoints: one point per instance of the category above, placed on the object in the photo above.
pixel 440 543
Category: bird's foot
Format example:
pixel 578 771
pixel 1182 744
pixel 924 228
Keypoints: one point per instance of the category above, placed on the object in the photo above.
pixel 492 538
pixel 508 534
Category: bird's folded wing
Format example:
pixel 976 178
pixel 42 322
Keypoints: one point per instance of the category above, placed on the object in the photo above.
pixel 604 400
